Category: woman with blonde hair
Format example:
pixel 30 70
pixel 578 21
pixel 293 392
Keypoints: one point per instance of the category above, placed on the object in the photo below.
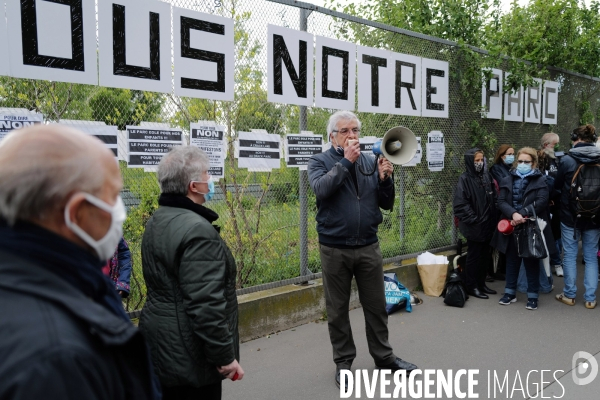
pixel 522 194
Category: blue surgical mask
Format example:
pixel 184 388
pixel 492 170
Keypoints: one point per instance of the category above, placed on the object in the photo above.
pixel 509 159
pixel 524 168
pixel 211 189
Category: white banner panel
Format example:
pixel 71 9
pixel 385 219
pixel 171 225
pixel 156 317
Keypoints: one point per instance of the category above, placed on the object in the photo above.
pixel 375 74
pixel 209 137
pixel 491 95
pixel 58 44
pixel 435 88
pixel 4 60
pixel 407 84
pixel 203 48
pixel 533 102
pixel 418 156
pixel 513 104
pixel 146 146
pixel 550 103
pixel 335 74
pixel 289 66
pixel 436 151
pixel 139 57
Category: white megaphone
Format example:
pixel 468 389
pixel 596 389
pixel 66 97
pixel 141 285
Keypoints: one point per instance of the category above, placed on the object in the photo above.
pixel 399 145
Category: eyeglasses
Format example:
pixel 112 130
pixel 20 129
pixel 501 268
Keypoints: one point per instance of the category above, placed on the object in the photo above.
pixel 206 181
pixel 346 131
pixel 524 162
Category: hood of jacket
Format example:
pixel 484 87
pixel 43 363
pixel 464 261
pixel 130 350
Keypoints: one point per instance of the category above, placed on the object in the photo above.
pixel 470 161
pixel 586 153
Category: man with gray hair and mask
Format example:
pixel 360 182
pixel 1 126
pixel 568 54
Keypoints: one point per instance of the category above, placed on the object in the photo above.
pixel 348 216
pixel 64 332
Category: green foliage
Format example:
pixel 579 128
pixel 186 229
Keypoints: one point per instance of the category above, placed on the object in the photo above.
pixel 480 137
pixel 124 107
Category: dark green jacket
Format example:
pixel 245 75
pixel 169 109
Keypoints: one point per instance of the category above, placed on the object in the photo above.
pixel 190 317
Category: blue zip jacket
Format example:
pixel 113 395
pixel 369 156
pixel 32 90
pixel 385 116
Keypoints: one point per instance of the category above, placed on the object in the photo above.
pixel 347 215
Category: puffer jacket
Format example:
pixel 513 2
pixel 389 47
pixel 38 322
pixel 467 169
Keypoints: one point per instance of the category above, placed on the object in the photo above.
pixel 582 153
pixel 535 194
pixel 500 171
pixel 190 318
pixel 475 201
pixel 347 215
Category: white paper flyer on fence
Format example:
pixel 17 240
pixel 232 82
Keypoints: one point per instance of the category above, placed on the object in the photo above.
pixel 146 146
pixel 107 134
pixel 259 151
pixel 208 136
pixel 17 118
pixel 436 151
pixel 416 160
pixel 300 147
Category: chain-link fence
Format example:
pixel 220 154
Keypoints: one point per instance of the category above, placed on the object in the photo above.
pixel 267 219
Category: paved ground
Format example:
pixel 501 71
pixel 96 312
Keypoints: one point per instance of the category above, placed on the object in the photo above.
pixel 507 340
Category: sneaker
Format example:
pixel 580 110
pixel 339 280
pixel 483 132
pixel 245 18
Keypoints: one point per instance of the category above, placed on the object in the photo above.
pixel 507 299
pixel 590 304
pixel 531 304
pixel 564 299
pixel 559 270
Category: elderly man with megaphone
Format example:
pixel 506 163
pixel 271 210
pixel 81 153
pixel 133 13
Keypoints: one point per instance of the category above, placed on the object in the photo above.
pixel 349 201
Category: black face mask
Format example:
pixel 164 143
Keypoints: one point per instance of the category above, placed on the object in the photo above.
pixel 479 166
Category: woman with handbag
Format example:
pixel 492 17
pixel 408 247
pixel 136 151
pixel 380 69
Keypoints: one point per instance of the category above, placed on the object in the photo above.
pixel 475 207
pixel 523 198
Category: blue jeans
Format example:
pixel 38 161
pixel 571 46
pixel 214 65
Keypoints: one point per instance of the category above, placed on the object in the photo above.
pixel 556 259
pixel 589 243
pixel 545 281
pixel 532 270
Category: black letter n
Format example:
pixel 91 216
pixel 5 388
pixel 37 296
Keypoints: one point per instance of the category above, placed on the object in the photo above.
pixel 280 52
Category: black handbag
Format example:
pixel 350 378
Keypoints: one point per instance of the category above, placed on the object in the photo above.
pixel 528 236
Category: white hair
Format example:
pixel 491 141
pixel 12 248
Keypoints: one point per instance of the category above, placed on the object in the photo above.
pixel 548 138
pixel 40 167
pixel 340 116
pixel 180 166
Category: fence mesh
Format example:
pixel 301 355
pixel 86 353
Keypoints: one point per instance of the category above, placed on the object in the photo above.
pixel 259 211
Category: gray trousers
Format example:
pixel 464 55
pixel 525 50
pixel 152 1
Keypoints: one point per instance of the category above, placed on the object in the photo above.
pixel 366 265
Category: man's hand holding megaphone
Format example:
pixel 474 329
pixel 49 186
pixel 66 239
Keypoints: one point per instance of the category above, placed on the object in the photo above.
pixel 385 168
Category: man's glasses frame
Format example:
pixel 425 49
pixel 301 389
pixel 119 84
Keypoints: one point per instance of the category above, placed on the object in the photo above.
pixel 346 131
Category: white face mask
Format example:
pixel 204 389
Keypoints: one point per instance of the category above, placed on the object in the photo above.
pixel 105 247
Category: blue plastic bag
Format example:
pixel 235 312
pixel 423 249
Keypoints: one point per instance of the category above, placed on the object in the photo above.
pixel 396 295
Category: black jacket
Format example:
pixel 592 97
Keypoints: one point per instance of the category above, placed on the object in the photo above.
pixel 475 202
pixel 58 343
pixel 347 215
pixel 536 193
pixel 500 171
pixel 582 153
pixel 191 315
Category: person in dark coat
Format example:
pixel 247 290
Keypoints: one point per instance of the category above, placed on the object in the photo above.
pixel 549 159
pixel 191 314
pixel 63 331
pixel 119 268
pixel 522 193
pixel 574 229
pixel 503 161
pixel 475 207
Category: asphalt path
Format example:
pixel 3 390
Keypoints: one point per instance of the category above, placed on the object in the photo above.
pixel 509 347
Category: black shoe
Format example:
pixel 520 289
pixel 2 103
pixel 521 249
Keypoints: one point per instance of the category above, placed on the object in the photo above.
pixel 337 379
pixel 489 278
pixel 487 290
pixel 477 293
pixel 399 364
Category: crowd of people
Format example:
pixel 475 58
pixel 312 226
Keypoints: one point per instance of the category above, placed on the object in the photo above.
pixel 65 333
pixel 559 192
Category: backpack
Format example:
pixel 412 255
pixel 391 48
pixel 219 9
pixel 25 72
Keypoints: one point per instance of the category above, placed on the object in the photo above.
pixel 455 294
pixel 584 197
